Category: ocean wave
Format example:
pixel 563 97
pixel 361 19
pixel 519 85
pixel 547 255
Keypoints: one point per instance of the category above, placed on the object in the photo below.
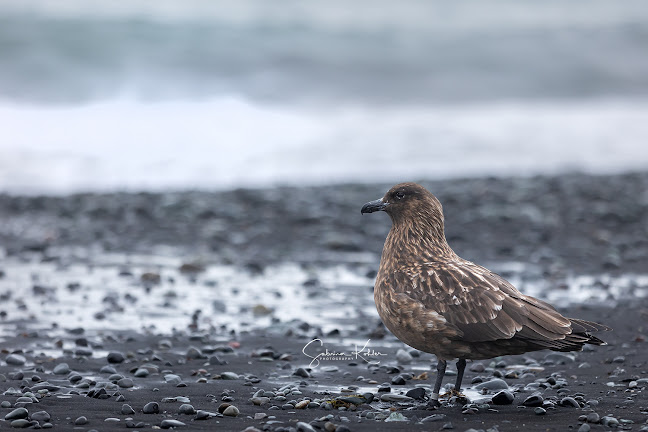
pixel 231 142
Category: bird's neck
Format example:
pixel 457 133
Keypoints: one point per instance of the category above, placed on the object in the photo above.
pixel 420 241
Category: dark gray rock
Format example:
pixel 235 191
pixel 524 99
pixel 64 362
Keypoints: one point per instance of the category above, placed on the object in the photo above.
pixel 503 397
pixel 18 413
pixel 416 393
pixel 171 423
pixel 151 408
pixel 115 357
pixel 80 421
pixel 15 360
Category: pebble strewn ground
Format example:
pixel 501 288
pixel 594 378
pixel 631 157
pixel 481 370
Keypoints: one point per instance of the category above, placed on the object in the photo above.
pixel 198 311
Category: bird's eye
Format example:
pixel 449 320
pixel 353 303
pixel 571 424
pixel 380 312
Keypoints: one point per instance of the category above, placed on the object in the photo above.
pixel 400 194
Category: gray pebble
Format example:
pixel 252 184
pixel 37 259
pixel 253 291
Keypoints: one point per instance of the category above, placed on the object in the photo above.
pixel 18 413
pixel 494 384
pixel 194 353
pixel 40 416
pixel 560 358
pixel 593 418
pixel 533 401
pixel 61 369
pixel 15 360
pixel 503 397
pixel 125 383
pixel 569 402
pixel 477 367
pixel 416 393
pixel 391 397
pixel 540 411
pixel 142 373
pixel 304 427
pixel 204 415
pixel 20 423
pixel 609 421
pixel 301 372
pixel 398 380
pixel 151 408
pixel 81 421
pixel 584 428
pixel 107 369
pixel 172 379
pixel 229 376
pixel 434 418
pixel 231 411
pixel 5 404
pixel 187 409
pixel 170 423
pixel 115 357
pixel 127 409
pixel 403 356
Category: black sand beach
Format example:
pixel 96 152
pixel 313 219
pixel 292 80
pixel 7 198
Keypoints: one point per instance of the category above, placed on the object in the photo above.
pixel 119 310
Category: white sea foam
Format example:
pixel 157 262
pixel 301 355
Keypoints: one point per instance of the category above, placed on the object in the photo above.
pixel 133 145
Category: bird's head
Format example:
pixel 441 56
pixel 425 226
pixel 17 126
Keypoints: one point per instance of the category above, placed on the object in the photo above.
pixel 407 202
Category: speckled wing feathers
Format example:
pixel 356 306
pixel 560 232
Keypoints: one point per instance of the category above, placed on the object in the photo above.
pixel 469 303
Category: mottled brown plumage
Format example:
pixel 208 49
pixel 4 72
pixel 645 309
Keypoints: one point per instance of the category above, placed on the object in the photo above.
pixel 437 302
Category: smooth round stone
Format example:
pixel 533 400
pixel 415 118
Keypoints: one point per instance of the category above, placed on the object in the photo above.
pixel 416 393
pixel 204 415
pixel 20 423
pixel 533 401
pixel 61 369
pixel 403 356
pixel 41 416
pixel 151 408
pixel 81 421
pixel 142 373
pixel 584 428
pixel 494 384
pixel 231 411
pixel 260 400
pixel 186 409
pixel 569 402
pixel 503 397
pixel 391 397
pixel 593 418
pixel 194 353
pixel 304 427
pixel 107 369
pixel 301 372
pixel 5 404
pixel 398 380
pixel 171 423
pixel 83 352
pixel 540 411
pixel 15 360
pixel 112 420
pixel 172 379
pixel 18 413
pixel 127 409
pixel 115 357
pixel 125 383
pixel 26 399
pixel 229 376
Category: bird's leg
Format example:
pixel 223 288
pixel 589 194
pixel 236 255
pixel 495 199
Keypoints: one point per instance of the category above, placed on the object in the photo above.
pixel 461 366
pixel 441 368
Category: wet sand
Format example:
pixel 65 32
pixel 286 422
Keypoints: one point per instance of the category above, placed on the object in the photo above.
pixel 213 297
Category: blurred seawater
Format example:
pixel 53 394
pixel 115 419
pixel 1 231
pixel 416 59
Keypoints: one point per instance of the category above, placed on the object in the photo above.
pixel 163 94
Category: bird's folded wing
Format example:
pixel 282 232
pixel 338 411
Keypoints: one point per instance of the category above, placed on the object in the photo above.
pixel 482 305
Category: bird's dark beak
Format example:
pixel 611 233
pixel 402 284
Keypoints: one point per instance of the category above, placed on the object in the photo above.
pixel 374 206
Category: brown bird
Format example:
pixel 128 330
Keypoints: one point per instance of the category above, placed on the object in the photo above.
pixel 437 302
